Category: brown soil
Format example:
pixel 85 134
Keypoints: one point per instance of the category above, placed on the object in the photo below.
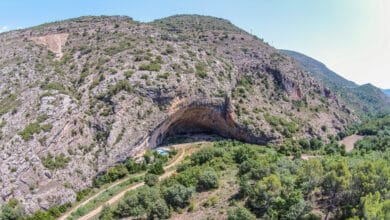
pixel 53 42
pixel 350 141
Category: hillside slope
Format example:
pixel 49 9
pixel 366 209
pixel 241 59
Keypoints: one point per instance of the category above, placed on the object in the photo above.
pixel 77 96
pixel 363 99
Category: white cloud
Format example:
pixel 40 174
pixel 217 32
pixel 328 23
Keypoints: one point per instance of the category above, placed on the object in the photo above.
pixel 4 28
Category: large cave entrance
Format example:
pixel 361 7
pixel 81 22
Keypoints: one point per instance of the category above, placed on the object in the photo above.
pixel 202 116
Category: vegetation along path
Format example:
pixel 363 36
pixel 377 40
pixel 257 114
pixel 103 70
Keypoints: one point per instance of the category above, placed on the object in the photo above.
pixel 182 153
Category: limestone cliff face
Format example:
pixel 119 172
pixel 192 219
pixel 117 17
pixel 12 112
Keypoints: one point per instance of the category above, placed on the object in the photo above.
pixel 96 90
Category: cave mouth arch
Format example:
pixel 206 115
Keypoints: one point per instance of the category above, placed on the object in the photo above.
pixel 211 116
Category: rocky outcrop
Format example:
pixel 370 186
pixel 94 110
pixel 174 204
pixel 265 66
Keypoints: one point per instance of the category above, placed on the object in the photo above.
pixel 203 115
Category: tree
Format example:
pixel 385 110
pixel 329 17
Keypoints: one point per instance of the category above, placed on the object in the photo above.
pixel 11 210
pixel 156 168
pixel 372 206
pixel 240 213
pixel 134 167
pixel 265 194
pixel 205 155
pixel 129 206
pixel 177 196
pixel 159 210
pixel 208 179
pixel 8 213
pixel 311 175
pixel 40 215
pixel 151 179
pixel 106 213
pixel 243 153
pixel 336 181
pixel 117 172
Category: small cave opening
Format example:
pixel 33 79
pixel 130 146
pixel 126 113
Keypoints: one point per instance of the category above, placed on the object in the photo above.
pixel 212 118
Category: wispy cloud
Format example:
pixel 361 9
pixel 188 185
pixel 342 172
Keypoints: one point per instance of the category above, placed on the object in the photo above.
pixel 4 28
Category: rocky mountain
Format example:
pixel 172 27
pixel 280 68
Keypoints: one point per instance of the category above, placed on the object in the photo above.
pixel 363 99
pixel 79 95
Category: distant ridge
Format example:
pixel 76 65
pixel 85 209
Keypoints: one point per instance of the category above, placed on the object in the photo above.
pixel 386 91
pixel 363 99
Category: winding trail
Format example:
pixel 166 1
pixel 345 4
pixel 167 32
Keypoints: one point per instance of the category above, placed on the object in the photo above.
pixel 97 210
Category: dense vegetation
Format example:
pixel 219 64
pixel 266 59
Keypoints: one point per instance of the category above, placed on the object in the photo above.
pixel 336 184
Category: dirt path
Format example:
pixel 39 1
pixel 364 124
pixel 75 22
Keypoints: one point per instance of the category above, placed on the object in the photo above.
pixel 350 141
pixel 67 214
pixel 117 197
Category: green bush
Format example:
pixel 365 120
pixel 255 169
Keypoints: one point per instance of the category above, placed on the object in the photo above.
pixel 128 73
pixel 153 67
pixel 156 168
pixel 56 162
pixel 201 70
pixel 205 155
pixel 53 86
pixel 133 167
pixel 177 196
pixel 163 75
pixel 80 195
pixel 113 173
pixel 11 210
pixel 8 103
pixel 207 180
pixel 145 201
pixel 151 179
pixel 240 213
pixel 28 132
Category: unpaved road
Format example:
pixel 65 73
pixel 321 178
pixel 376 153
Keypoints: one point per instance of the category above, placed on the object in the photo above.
pixel 117 197
pixel 350 141
pixel 67 214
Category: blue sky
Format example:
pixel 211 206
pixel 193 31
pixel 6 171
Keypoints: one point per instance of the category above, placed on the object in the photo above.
pixel 352 37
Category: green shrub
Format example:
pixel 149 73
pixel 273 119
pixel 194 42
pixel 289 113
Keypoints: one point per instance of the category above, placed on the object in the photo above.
pixel 133 167
pixel 53 86
pixel 8 103
pixel 151 179
pixel 128 73
pixel 153 67
pixel 42 118
pixel 208 179
pixel 201 70
pixel 28 132
pixel 240 213
pixel 156 168
pixel 205 155
pixel 122 85
pixel 211 201
pixel 80 195
pixel 55 162
pixel 163 76
pixel 177 196
pixel 46 127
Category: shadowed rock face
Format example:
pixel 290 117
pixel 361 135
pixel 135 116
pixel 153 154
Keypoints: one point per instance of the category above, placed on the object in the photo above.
pixel 197 116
